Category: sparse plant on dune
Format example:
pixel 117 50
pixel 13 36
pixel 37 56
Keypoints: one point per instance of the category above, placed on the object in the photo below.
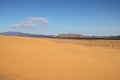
pixel 94 43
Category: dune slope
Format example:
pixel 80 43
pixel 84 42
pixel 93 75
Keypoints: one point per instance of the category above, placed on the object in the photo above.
pixel 24 58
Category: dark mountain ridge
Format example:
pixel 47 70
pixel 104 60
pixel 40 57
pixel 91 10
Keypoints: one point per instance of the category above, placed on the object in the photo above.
pixel 61 36
pixel 13 33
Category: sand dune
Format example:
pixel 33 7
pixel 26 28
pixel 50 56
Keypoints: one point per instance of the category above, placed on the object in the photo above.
pixel 23 58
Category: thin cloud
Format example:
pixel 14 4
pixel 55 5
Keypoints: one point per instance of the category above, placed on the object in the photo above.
pixel 32 22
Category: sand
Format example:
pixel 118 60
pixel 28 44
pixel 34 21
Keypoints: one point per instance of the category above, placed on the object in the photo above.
pixel 24 58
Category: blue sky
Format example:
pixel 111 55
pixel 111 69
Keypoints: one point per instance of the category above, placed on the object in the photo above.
pixel 87 17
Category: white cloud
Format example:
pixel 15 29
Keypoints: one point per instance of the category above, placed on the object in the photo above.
pixel 32 22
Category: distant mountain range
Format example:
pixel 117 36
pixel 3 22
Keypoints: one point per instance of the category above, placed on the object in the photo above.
pixel 13 33
pixel 79 36
pixel 65 36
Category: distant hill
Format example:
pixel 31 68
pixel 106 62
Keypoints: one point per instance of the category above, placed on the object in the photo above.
pixel 65 36
pixel 12 33
pixel 70 35
pixel 79 36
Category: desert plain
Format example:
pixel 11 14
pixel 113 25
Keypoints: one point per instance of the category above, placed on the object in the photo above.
pixel 25 58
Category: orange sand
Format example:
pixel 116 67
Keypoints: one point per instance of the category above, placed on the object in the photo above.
pixel 23 58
